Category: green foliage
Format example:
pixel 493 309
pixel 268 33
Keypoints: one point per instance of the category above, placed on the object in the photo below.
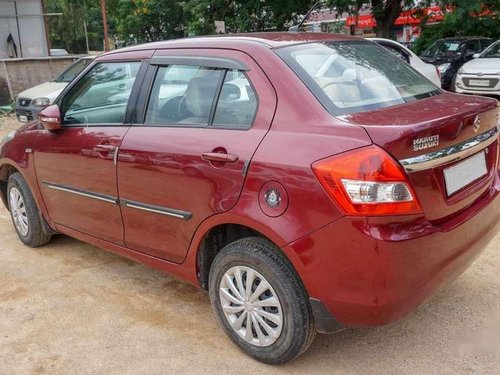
pixel 242 15
pixel 135 21
pixel 147 20
pixel 66 31
pixel 469 18
pixel 451 26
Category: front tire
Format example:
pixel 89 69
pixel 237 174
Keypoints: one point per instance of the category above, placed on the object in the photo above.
pixel 260 302
pixel 24 212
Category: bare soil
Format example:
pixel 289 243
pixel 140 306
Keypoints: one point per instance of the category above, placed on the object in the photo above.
pixel 71 308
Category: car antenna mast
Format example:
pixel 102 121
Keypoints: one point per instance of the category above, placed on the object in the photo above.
pixel 297 28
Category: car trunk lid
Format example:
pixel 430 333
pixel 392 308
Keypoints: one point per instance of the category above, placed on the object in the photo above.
pixel 446 124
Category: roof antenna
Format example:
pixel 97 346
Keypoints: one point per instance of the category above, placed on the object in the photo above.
pixel 297 27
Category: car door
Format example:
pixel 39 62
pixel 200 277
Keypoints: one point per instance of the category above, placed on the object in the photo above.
pixel 186 157
pixel 76 165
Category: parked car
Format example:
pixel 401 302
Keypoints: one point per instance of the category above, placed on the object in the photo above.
pixel 450 54
pixel 31 101
pixel 481 76
pixel 58 52
pixel 427 70
pixel 341 190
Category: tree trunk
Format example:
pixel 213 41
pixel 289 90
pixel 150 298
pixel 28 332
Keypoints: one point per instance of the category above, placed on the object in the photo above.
pixel 384 31
pixel 386 14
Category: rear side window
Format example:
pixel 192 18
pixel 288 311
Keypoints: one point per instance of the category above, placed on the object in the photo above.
pixel 485 43
pixel 473 46
pixel 183 95
pixel 101 96
pixel 237 102
pixel 201 96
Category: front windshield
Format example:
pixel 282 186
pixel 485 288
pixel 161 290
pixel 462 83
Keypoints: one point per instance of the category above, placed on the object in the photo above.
pixel 493 51
pixel 445 48
pixel 73 70
pixel 350 77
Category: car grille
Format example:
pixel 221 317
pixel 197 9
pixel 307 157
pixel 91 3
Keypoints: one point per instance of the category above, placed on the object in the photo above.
pixel 24 102
pixel 492 82
pixel 28 114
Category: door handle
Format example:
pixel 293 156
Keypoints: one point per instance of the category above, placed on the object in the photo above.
pixel 220 157
pixel 104 148
pixel 107 149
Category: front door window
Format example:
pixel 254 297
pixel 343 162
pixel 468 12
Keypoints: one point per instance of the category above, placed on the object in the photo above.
pixel 101 96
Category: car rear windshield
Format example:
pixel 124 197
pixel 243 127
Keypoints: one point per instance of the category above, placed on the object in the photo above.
pixel 350 77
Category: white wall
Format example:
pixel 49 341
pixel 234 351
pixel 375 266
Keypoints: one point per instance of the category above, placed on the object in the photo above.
pixel 28 28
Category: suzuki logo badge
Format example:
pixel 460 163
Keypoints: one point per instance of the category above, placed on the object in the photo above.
pixel 477 124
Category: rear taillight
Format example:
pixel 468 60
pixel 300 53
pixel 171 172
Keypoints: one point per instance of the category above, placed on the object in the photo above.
pixel 367 181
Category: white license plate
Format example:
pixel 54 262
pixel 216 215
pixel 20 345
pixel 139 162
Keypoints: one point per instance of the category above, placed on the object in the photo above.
pixel 465 172
pixel 23 118
pixel 479 82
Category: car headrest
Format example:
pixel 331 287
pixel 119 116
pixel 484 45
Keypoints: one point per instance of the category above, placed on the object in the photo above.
pixel 199 95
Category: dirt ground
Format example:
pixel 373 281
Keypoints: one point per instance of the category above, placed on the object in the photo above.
pixel 71 308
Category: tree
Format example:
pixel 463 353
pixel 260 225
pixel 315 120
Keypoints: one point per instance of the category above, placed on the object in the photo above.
pixel 385 12
pixel 148 20
pixel 465 18
pixel 67 31
pixel 243 15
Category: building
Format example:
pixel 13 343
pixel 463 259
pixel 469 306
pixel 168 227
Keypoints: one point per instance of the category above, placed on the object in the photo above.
pixel 22 23
pixel 25 59
pixel 405 30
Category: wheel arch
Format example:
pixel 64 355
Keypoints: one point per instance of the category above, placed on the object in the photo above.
pixel 6 170
pixel 211 237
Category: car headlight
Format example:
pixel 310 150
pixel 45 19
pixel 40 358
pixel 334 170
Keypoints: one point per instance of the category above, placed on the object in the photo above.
pixel 443 67
pixel 461 71
pixel 41 102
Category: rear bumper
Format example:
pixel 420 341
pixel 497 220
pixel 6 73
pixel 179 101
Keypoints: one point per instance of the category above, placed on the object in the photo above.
pixel 369 272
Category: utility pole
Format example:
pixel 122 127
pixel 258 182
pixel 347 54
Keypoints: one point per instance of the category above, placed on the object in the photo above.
pixel 85 27
pixel 105 25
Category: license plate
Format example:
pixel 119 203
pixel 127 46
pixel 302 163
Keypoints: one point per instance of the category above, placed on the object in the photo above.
pixel 465 172
pixel 23 118
pixel 479 82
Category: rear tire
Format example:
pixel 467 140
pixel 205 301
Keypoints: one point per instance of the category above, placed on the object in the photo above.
pixel 24 213
pixel 279 314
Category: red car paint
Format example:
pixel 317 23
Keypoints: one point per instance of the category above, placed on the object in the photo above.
pixel 365 270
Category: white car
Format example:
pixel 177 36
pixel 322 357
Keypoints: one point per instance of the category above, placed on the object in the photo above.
pixel 33 100
pixel 481 76
pixel 427 70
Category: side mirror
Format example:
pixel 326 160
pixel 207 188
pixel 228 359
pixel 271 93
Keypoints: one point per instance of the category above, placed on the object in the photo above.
pixel 50 117
pixel 476 55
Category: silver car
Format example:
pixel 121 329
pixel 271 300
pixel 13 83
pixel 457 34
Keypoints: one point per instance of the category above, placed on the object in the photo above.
pixel 31 101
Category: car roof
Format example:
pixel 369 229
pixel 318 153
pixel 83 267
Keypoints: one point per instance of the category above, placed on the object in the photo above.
pixel 464 38
pixel 392 42
pixel 268 39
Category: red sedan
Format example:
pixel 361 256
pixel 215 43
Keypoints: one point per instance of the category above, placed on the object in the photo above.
pixel 309 182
